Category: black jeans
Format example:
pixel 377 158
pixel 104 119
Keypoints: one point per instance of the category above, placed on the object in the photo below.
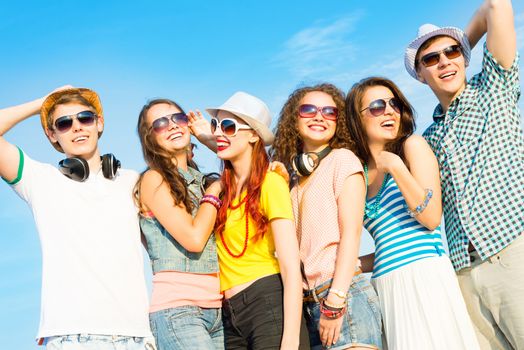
pixel 253 318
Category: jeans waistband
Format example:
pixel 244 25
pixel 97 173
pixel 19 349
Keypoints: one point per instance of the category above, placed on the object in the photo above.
pixel 313 295
pixel 263 286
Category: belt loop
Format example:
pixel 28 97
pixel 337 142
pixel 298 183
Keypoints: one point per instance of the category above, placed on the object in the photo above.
pixel 315 296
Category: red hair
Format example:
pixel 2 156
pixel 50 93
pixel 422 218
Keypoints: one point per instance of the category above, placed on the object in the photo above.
pixel 259 166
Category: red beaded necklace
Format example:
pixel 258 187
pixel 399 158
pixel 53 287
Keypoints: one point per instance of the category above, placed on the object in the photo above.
pixel 246 213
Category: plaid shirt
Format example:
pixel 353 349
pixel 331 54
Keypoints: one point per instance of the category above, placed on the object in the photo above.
pixel 480 149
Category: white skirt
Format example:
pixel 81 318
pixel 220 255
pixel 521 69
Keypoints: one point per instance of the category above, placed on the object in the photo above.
pixel 422 307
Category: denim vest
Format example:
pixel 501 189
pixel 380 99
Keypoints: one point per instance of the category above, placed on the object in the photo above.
pixel 165 252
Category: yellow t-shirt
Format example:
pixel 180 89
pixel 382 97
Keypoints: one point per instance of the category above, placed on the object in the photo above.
pixel 259 259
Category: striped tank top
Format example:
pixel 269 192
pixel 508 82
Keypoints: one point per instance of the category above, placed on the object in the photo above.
pixel 399 238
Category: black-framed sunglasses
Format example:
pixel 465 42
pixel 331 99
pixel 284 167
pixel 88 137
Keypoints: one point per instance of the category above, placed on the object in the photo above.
pixel 378 107
pixel 162 124
pixel 433 58
pixel 228 126
pixel 65 122
pixel 309 111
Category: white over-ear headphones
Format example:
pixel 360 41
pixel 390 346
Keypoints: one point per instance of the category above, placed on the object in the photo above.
pixel 305 163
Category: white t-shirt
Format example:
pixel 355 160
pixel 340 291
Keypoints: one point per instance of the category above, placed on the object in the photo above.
pixel 92 262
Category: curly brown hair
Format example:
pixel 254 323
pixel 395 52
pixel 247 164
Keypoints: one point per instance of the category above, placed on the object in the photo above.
pixel 288 142
pixel 354 117
pixel 160 159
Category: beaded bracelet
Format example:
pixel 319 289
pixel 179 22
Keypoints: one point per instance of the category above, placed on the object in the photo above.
pixel 213 200
pixel 420 208
pixel 329 313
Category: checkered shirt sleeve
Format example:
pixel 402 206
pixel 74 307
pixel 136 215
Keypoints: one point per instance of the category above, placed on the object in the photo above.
pixel 480 148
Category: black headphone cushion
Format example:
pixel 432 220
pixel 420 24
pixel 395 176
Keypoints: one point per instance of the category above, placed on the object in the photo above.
pixel 74 168
pixel 110 166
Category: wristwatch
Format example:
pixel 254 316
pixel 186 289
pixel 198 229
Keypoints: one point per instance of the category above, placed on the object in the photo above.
pixel 338 293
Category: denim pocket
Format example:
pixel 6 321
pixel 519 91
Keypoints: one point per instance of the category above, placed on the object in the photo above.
pixel 365 315
pixel 273 313
pixel 182 312
pixel 214 317
pixel 152 325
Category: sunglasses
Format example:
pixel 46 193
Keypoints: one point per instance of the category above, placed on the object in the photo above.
pixel 310 111
pixel 228 126
pixel 162 124
pixel 65 122
pixel 378 107
pixel 433 58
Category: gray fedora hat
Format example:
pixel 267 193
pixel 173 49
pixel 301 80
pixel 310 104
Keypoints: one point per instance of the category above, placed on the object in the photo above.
pixel 252 110
pixel 428 31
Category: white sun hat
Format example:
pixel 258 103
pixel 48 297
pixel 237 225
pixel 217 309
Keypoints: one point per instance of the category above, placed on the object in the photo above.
pixel 427 31
pixel 251 110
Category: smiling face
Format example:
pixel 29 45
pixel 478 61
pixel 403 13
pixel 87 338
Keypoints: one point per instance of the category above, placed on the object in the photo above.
pixel 239 146
pixel 447 78
pixel 316 132
pixel 174 138
pixel 382 128
pixel 80 140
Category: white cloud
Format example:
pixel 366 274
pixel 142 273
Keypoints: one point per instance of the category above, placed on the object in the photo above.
pixel 320 49
pixel 326 53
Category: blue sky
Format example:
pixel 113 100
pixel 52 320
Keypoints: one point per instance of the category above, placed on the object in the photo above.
pixel 197 53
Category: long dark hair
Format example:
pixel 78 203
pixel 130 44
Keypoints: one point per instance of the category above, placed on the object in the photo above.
pixel 354 117
pixel 160 159
pixel 288 142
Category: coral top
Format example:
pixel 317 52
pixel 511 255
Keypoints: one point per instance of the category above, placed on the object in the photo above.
pixel 317 216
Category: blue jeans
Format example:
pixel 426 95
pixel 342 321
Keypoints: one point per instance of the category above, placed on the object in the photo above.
pixel 98 342
pixel 362 324
pixel 188 327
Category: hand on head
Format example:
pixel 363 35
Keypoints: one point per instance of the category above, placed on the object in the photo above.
pixel 64 87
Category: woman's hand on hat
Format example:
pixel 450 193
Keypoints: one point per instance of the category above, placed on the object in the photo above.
pixel 201 129
pixel 280 169
pixel 199 126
